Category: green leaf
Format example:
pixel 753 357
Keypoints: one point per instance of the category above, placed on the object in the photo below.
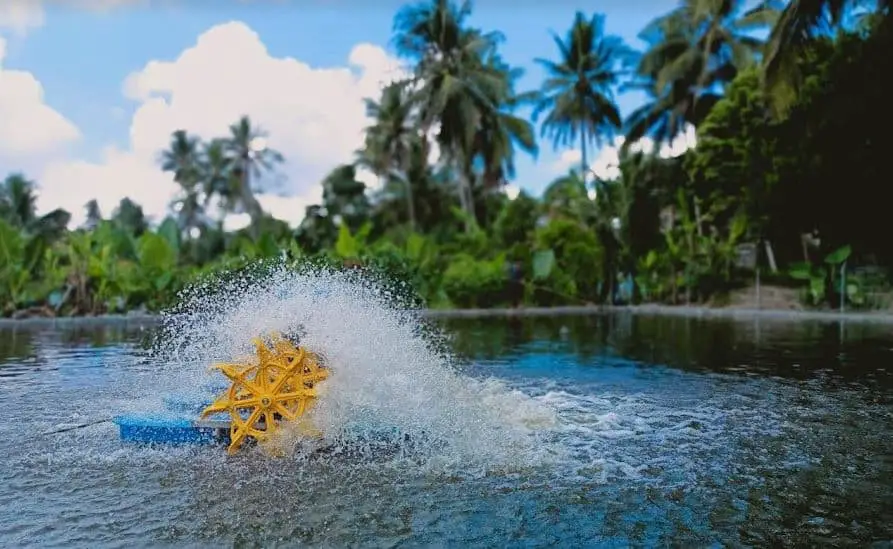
pixel 155 253
pixel 266 245
pixel 543 263
pixel 854 294
pixel 800 271
pixel 363 235
pixel 164 280
pixel 839 255
pixel 415 246
pixel 346 247
pixel 171 233
pixel 651 260
pixel 817 288
pixel 12 247
pixel 738 228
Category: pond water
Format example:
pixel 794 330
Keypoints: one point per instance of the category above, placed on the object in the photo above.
pixel 646 431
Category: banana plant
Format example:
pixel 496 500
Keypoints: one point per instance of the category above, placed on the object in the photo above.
pixel 14 272
pixel 157 268
pixel 823 280
pixel 650 276
pixel 349 246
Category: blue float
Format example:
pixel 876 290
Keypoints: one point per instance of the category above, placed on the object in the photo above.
pixel 177 424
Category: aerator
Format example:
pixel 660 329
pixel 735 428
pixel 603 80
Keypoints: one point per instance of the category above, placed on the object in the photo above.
pixel 264 393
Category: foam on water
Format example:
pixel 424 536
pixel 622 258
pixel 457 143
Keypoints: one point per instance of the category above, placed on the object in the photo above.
pixel 390 372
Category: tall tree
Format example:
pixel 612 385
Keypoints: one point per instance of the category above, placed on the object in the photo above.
pixel 18 202
pixel 694 52
pixel 183 159
pixel 130 217
pixel 390 138
pixel 344 198
pixel 453 86
pixel 246 145
pixel 94 214
pixel 799 23
pixel 579 90
pixel 18 207
pixel 500 129
pixel 218 176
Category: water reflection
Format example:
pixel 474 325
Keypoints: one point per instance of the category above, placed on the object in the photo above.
pixel 791 350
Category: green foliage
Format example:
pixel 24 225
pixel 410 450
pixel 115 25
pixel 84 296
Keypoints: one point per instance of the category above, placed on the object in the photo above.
pixel 824 283
pixel 349 246
pixel 470 282
pixel 804 184
pixel 14 273
pixel 517 220
pixel 543 263
pixel 567 263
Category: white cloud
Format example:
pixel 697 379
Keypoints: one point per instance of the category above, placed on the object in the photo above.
pixel 287 208
pixel 606 163
pixel 567 160
pixel 30 128
pixel 313 115
pixel 20 16
pixel 236 222
pixel 372 181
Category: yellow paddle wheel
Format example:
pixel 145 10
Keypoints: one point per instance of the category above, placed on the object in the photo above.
pixel 268 392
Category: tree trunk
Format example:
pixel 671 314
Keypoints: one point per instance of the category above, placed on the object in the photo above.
pixel 583 167
pixel 466 201
pixel 698 223
pixel 252 206
pixel 770 256
pixel 410 204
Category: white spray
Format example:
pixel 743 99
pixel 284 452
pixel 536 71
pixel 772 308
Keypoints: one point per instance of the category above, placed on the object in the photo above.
pixel 390 373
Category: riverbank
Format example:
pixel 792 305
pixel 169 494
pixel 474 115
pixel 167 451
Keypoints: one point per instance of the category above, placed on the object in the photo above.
pixel 744 313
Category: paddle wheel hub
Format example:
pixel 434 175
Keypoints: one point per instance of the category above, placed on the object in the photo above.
pixel 276 386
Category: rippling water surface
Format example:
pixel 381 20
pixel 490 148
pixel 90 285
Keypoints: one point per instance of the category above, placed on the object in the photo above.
pixel 651 432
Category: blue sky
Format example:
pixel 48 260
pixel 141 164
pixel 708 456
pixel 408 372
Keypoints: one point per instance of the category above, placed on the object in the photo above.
pixel 82 57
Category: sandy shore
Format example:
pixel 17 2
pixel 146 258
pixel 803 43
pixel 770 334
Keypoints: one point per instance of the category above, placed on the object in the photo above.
pixel 884 317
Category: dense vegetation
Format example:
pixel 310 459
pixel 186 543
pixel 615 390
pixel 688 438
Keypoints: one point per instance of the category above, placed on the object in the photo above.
pixel 788 164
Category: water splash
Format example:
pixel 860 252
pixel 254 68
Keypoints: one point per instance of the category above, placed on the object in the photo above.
pixel 392 382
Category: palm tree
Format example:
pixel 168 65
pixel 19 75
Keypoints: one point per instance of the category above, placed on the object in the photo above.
pixel 18 203
pixel 567 196
pixel 431 194
pixel 218 175
pixel 389 140
pixel 706 43
pixel 94 215
pixel 344 198
pixel 578 92
pixel 499 130
pixel 694 51
pixel 183 159
pixel 453 87
pixel 251 158
pixel 799 23
pixel 18 207
pixel 130 216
